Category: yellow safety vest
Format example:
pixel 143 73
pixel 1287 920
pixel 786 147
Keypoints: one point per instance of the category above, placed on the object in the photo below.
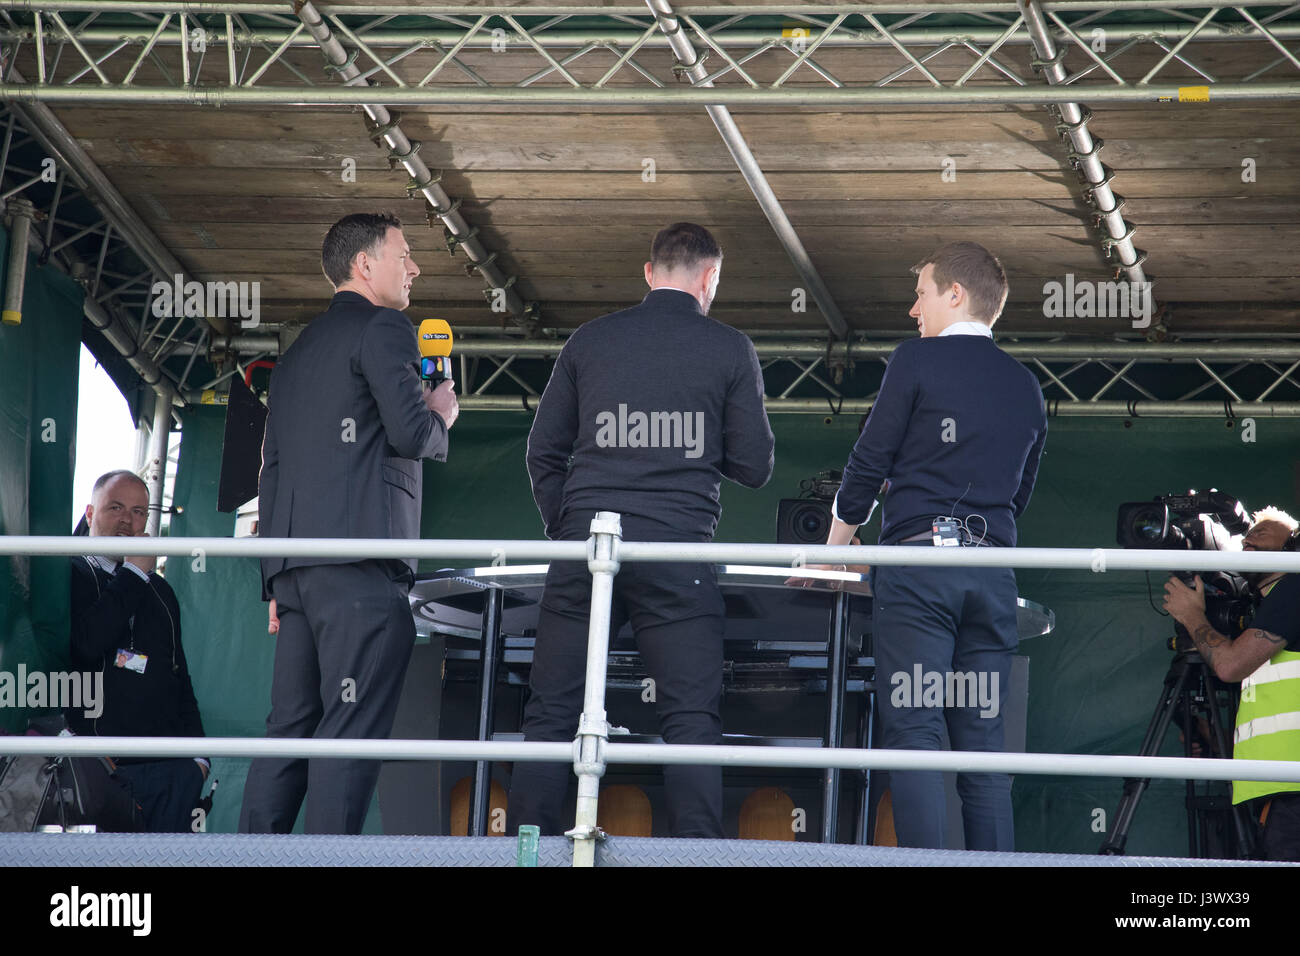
pixel 1268 722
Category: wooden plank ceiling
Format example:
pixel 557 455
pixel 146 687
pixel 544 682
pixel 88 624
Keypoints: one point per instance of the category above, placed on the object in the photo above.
pixel 247 194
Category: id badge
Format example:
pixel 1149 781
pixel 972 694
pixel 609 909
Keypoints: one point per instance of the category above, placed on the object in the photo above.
pixel 131 660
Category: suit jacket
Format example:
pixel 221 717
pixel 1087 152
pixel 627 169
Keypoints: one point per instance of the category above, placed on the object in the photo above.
pixel 121 610
pixel 345 431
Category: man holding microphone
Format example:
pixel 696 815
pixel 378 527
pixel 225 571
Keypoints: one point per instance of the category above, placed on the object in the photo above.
pixel 348 425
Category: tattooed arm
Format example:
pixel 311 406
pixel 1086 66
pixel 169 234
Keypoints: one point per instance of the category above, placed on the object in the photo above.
pixel 1231 660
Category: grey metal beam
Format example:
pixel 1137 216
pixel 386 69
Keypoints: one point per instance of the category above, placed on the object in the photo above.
pixel 197 7
pixel 829 98
pixel 743 156
pixel 1061 409
pixel 859 350
pixel 622 36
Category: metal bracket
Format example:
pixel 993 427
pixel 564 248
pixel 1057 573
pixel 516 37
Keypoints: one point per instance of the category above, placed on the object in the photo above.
pixel 395 159
pixel 1108 243
pixel 331 68
pixel 1141 258
pixel 1038 63
pixel 413 185
pixel 1107 174
pixel 378 131
pixel 472 267
pixel 451 238
pixel 432 214
pixel 1064 129
pixel 1077 157
pixel 1100 214
pixel 681 69
pixel 504 287
pixel 585 833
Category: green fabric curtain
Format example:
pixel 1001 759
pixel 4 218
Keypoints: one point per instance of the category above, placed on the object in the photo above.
pixel 38 428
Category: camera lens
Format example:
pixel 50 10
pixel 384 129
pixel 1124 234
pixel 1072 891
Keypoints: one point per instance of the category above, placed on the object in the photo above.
pixel 810 524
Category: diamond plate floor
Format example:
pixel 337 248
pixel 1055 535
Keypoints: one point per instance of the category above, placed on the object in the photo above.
pixel 227 849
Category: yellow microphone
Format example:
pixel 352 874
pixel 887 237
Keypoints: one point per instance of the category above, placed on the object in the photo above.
pixel 435 351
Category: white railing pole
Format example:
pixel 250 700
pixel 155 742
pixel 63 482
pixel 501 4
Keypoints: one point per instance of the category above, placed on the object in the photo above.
pixel 1073 765
pixel 593 729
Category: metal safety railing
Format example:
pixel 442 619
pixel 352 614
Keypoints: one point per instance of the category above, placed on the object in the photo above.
pixel 591 752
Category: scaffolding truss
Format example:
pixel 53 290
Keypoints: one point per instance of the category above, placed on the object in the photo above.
pixel 116 51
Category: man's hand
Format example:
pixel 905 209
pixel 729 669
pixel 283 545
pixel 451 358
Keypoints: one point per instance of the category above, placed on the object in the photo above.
pixel 803 582
pixel 273 623
pixel 443 401
pixel 145 562
pixel 1186 606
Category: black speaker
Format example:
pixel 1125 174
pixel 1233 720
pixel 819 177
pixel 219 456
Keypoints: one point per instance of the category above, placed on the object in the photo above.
pixel 241 452
pixel 802 521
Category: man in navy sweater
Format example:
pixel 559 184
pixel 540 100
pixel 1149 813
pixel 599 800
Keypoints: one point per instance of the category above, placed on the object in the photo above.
pixel 957 429
pixel 646 411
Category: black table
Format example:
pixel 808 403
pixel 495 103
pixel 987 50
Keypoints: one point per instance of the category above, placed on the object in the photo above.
pixel 769 641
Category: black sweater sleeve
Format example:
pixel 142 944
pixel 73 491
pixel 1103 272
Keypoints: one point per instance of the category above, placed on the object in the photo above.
pixel 101 615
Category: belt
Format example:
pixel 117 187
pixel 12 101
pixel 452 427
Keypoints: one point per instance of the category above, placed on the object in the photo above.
pixel 928 538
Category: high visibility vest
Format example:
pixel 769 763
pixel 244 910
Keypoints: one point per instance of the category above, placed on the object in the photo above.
pixel 1268 722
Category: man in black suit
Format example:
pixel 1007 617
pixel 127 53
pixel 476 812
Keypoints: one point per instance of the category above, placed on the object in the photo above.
pixel 646 411
pixel 347 426
pixel 126 624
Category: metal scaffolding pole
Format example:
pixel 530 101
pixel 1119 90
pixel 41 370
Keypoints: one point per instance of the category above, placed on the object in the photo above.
pixel 655 98
pixel 204 7
pixel 1135 408
pixel 1084 149
pixel 743 156
pixel 857 349
pixel 621 35
pixel 155 477
pixel 21 214
pixel 400 148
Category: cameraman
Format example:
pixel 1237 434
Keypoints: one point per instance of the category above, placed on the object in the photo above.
pixel 1266 659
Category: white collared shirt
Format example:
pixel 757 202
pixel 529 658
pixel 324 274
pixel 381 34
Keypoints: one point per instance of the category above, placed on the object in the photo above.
pixel 967 328
pixel 110 567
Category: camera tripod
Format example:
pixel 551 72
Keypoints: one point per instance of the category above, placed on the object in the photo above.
pixel 1215 827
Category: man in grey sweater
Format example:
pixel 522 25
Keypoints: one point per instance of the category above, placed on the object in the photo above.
pixel 646 411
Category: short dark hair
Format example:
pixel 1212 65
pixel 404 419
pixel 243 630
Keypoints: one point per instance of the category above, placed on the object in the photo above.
pixel 977 271
pixel 683 245
pixel 359 232
pixel 108 476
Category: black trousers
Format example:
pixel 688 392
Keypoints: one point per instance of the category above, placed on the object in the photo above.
pixel 678 616
pixel 345 639
pixel 950 628
pixel 1282 828
pixel 167 791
